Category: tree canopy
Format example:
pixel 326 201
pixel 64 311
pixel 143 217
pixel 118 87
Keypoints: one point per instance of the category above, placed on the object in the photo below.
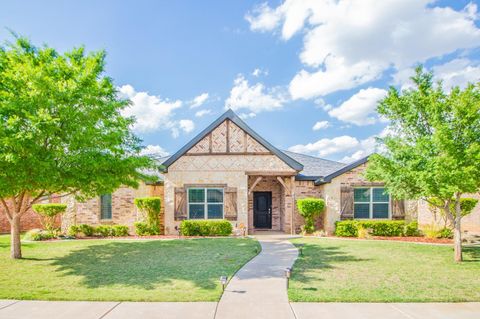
pixel 61 128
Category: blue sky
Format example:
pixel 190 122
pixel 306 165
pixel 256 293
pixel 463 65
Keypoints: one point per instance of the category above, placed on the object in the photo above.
pixel 304 74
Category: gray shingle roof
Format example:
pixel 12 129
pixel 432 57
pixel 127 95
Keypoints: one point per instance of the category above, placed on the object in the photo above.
pixel 314 167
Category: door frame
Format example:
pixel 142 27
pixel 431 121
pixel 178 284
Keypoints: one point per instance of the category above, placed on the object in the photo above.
pixel 269 219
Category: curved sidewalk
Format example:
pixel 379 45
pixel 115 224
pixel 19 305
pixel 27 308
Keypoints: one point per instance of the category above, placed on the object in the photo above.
pixel 258 289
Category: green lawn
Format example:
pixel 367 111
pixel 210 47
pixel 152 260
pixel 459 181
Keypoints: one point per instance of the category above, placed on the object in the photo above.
pixel 150 270
pixel 334 270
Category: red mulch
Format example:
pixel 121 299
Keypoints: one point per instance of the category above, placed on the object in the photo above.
pixel 406 239
pixel 136 237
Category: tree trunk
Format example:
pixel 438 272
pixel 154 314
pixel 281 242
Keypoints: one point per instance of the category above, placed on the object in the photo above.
pixel 457 231
pixel 15 246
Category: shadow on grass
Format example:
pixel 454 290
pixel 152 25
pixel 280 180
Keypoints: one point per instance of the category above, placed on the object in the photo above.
pixel 317 257
pixel 147 264
pixel 471 253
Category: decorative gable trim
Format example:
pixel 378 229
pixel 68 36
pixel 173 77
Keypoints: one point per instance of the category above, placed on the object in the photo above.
pixel 250 143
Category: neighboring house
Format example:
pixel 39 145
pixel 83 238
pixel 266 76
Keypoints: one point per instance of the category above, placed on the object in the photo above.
pixel 230 172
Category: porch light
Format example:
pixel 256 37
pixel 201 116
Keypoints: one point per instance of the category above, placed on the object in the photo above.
pixel 223 281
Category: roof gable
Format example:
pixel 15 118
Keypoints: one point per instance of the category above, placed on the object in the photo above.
pixel 229 134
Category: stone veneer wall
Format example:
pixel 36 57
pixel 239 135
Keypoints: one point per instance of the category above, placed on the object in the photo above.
pixel 124 211
pixel 226 170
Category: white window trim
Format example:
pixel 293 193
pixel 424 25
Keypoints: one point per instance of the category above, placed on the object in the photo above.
pixel 205 202
pixel 371 202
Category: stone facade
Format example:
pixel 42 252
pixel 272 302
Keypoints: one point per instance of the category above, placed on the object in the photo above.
pixel 124 211
pixel 305 189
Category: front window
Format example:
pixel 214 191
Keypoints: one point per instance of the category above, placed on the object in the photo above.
pixel 371 202
pixel 106 206
pixel 205 203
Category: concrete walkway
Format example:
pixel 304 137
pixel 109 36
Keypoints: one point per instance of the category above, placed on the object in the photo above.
pixel 258 290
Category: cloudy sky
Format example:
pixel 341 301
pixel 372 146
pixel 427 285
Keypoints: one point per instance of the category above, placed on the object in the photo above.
pixel 305 74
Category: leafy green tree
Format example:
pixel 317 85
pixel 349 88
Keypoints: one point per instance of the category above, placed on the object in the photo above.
pixel 434 148
pixel 310 208
pixel 48 213
pixel 61 129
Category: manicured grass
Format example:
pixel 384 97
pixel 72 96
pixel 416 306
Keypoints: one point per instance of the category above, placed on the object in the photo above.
pixel 141 270
pixel 334 270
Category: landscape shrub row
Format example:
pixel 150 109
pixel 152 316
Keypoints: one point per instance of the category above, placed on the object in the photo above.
pixel 387 228
pixel 101 231
pixel 206 228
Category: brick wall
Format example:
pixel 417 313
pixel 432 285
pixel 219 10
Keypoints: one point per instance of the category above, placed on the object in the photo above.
pixel 304 189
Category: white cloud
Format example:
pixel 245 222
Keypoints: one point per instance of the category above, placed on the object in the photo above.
pixel 359 109
pixel 321 125
pixel 154 150
pixel 186 125
pixel 350 42
pixel 326 146
pixel 199 100
pixel 202 113
pixel 457 72
pixel 151 112
pixel 245 116
pixel 258 72
pixel 255 98
pixel 367 147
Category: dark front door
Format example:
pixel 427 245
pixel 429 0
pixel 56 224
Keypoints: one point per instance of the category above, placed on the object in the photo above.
pixel 262 209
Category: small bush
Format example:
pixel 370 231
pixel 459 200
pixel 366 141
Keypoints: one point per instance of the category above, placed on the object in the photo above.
pixel 445 233
pixel 346 228
pixel 431 231
pixel 411 229
pixel 387 228
pixel 120 230
pixel 73 230
pixel 363 232
pixel 104 230
pixel 310 208
pixel 48 212
pixel 87 230
pixel 206 228
pixel 150 208
pixel 38 234
pixel 143 229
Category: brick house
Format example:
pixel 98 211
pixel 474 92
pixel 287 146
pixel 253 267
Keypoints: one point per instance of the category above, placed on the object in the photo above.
pixel 230 172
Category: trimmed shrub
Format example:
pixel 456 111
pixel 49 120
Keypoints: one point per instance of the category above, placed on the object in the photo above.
pixel 388 228
pixel 38 234
pixel 150 208
pixel 346 228
pixel 206 228
pixel 445 233
pixel 310 208
pixel 142 229
pixel 120 230
pixel 48 212
pixel 104 230
pixel 73 230
pixel 411 229
pixel 87 230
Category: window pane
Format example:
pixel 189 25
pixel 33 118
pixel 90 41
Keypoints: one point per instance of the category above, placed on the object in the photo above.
pixel 196 195
pixel 215 211
pixel 196 211
pixel 215 195
pixel 361 195
pixel 361 211
pixel 106 206
pixel 380 210
pixel 380 195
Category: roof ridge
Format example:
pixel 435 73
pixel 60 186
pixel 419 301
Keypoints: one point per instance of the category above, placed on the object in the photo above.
pixel 316 157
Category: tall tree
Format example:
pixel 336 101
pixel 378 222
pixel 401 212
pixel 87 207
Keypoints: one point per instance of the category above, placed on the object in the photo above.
pixel 61 129
pixel 434 148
